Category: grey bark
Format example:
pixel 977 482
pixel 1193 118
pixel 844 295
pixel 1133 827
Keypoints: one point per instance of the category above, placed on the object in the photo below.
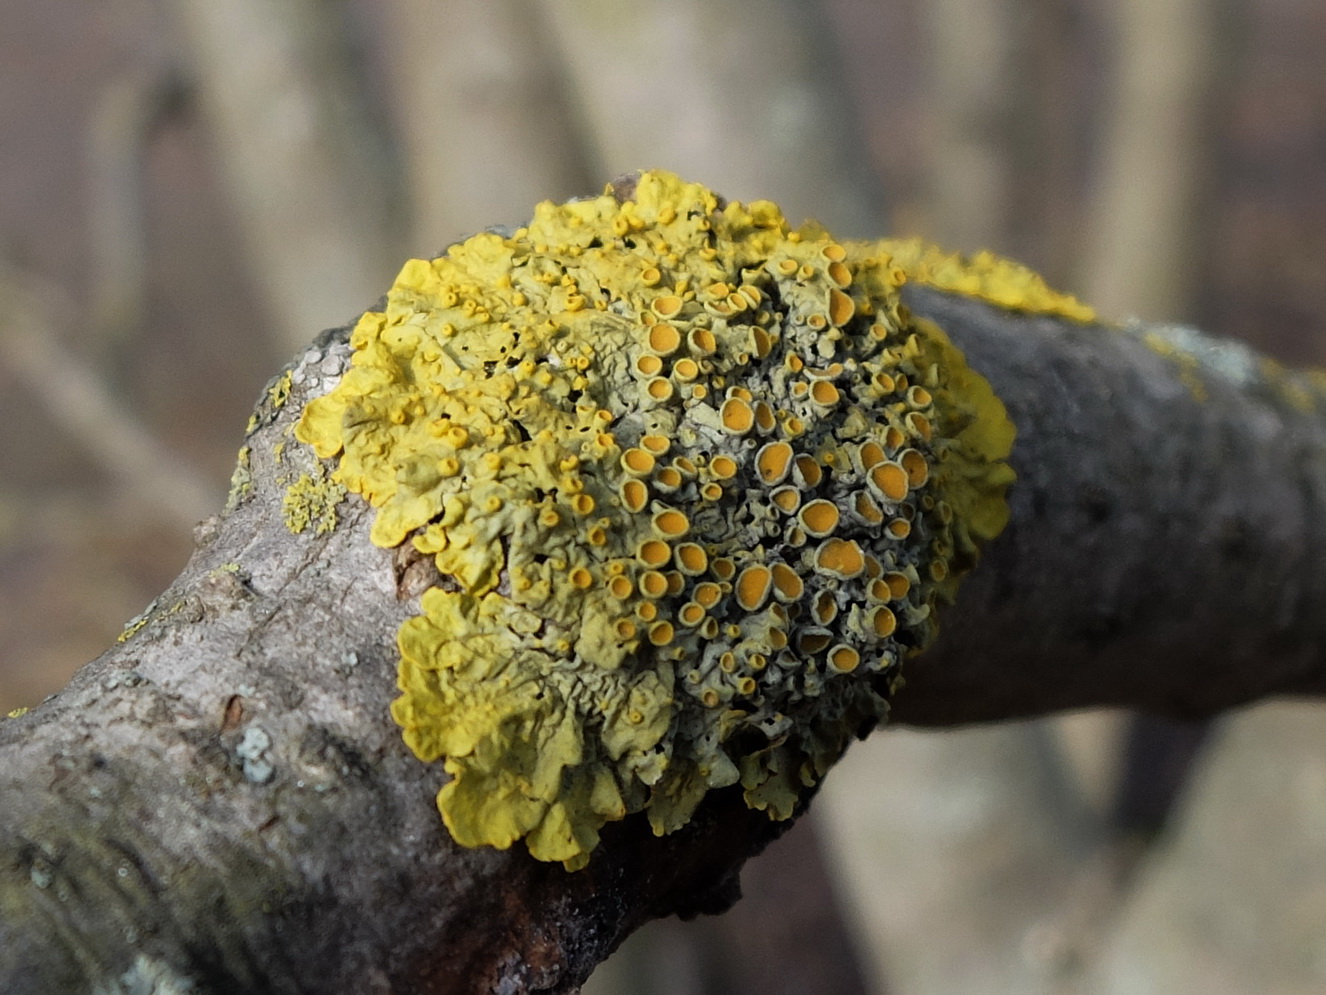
pixel 1168 525
pixel 220 802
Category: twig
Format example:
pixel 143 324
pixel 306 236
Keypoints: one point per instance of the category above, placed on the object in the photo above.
pixel 78 401
pixel 123 116
pixel 745 92
pixel 308 180
pixel 482 112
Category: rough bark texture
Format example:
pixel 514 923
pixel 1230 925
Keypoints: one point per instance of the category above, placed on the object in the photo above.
pixel 1165 547
pixel 221 801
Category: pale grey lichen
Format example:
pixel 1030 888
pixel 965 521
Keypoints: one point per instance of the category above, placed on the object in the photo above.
pixel 252 751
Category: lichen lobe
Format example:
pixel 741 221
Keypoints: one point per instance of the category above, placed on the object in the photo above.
pixel 697 484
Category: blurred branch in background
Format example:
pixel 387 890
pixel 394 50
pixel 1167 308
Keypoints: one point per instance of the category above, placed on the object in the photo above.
pixel 118 136
pixel 486 131
pixel 1234 898
pixel 1053 81
pixel 74 397
pixel 959 854
pixel 310 178
pixel 747 93
pixel 971 48
pixel 1142 252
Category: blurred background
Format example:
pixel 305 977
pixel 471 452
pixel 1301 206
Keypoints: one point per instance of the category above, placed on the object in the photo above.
pixel 190 190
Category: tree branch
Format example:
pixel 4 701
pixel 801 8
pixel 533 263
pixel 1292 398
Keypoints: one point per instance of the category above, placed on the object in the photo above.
pixel 221 799
pixel 1167 523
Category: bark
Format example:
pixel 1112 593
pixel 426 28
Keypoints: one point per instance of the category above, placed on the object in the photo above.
pixel 221 800
pixel 1165 548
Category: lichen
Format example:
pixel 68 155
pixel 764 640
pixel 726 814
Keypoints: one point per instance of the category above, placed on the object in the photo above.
pixel 994 279
pixel 18 713
pixel 312 502
pixel 279 392
pixel 1186 362
pixel 252 754
pixel 1202 362
pixel 697 484
pixel 241 480
pixel 155 613
pixel 135 624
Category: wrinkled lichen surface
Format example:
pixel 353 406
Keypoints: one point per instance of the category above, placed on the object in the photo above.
pixel 695 483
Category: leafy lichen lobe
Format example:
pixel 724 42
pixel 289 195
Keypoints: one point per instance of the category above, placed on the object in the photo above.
pixel 994 279
pixel 697 483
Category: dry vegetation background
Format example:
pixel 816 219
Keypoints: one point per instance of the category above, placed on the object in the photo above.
pixel 190 189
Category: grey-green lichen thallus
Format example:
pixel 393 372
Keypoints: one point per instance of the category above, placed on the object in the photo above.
pixel 696 484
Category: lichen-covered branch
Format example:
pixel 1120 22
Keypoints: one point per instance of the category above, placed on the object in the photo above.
pixel 694 485
pixel 223 799
pixel 1165 547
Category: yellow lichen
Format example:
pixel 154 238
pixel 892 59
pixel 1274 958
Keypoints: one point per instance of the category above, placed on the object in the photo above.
pixel 602 427
pixel 134 625
pixel 17 713
pixel 1202 363
pixel 279 392
pixel 1188 365
pixel 241 480
pixel 155 612
pixel 310 502
pixel 992 278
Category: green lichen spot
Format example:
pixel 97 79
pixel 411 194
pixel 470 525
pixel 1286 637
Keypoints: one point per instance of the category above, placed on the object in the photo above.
pixel 312 503
pixel 17 713
pixel 605 428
